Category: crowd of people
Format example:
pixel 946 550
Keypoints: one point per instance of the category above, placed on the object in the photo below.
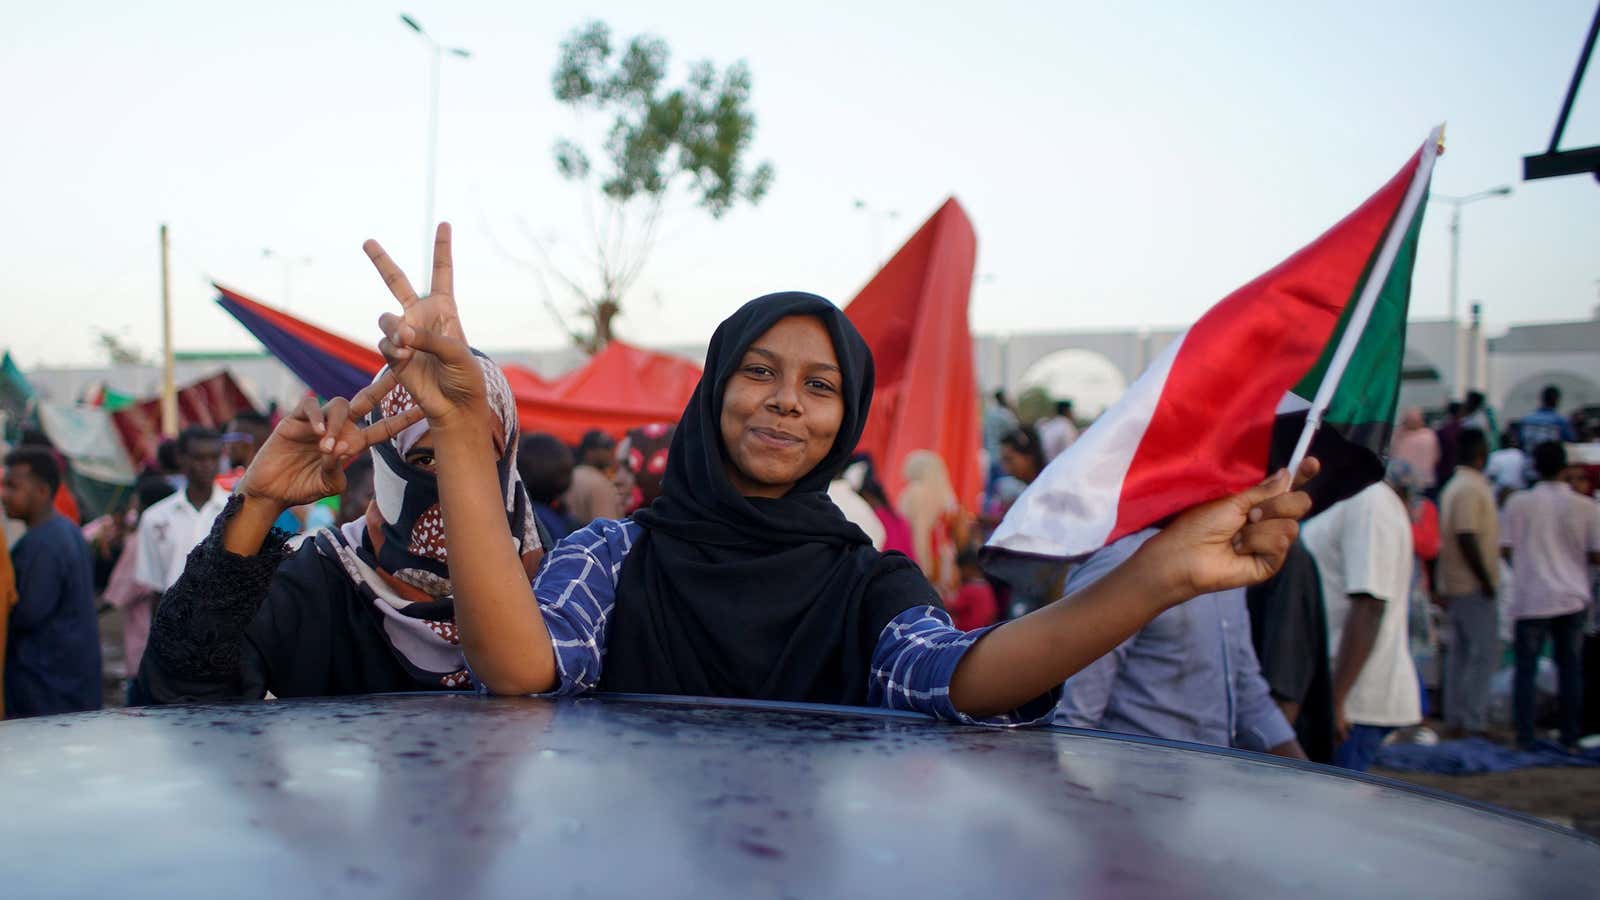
pixel 412 538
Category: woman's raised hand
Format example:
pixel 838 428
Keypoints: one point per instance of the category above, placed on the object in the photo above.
pixel 304 458
pixel 424 345
pixel 1236 541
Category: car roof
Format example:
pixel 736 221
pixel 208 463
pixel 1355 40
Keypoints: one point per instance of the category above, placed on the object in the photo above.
pixel 459 795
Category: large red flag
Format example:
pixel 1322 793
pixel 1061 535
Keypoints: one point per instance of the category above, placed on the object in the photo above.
pixel 913 314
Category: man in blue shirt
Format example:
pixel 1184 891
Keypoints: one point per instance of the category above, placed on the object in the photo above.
pixel 52 660
pixel 1545 425
pixel 1190 675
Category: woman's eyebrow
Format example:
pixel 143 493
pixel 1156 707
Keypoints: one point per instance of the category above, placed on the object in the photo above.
pixel 825 366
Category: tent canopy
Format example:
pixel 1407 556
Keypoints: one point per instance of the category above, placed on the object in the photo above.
pixel 621 387
pixel 913 314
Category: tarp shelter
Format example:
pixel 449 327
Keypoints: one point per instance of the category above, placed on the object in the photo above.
pixel 913 314
pixel 16 397
pixel 100 475
pixel 210 402
pixel 621 387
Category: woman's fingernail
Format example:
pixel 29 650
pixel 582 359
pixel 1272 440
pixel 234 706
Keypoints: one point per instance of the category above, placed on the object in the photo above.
pixel 342 449
pixel 327 444
pixel 1255 514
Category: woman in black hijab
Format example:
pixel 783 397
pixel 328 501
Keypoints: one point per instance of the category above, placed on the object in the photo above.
pixel 743 579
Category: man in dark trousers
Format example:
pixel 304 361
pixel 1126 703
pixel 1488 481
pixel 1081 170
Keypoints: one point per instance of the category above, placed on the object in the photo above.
pixel 53 643
pixel 1288 625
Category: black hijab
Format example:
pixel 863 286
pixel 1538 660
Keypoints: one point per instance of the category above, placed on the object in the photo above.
pixel 733 596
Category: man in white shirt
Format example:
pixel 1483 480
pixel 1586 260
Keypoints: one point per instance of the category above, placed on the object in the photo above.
pixel 1364 555
pixel 1508 467
pixel 1550 538
pixel 171 528
pixel 1057 432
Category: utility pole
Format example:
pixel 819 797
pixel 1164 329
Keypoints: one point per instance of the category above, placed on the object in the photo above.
pixel 1456 362
pixel 169 387
pixel 437 52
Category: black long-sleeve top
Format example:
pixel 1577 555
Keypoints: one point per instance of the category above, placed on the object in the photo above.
pixel 285 621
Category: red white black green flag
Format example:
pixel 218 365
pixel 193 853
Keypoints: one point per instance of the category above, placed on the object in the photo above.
pixel 1320 336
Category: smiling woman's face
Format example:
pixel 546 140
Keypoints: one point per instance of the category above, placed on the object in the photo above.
pixel 782 407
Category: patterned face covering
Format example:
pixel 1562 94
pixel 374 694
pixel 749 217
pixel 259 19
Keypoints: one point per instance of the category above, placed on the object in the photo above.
pixel 404 524
pixel 644 454
pixel 397 556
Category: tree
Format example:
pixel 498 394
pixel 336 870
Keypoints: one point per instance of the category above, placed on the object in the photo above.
pixel 118 349
pixel 690 140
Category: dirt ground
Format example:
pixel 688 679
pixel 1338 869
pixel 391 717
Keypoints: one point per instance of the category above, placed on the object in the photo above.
pixel 1569 797
pixel 1565 796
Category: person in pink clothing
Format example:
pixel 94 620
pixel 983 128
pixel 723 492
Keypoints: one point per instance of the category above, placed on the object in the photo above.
pixel 974 606
pixel 1416 443
pixel 136 601
pixel 896 530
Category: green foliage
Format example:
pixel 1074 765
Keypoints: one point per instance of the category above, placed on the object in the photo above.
pixel 698 132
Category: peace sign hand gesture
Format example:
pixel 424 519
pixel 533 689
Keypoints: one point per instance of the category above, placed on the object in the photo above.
pixel 304 458
pixel 425 346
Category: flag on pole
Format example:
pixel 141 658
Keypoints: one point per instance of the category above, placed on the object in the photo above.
pixel 1305 357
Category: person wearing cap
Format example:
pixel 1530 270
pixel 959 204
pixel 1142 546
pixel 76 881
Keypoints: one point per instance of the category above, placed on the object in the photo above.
pixel 1363 550
pixel 592 495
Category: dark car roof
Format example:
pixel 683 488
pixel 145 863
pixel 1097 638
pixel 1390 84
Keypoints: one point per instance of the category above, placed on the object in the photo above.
pixel 457 795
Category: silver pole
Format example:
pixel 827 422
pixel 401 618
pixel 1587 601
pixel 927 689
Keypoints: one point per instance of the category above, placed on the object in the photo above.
pixel 425 262
pixel 1456 380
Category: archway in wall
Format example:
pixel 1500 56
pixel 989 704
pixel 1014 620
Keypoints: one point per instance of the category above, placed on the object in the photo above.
pixel 1421 384
pixel 1576 391
pixel 1089 379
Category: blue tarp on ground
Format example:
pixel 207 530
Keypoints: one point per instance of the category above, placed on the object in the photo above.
pixel 1476 756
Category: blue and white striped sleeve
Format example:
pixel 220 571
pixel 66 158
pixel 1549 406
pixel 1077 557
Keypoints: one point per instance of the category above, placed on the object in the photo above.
pixel 576 589
pixel 915 659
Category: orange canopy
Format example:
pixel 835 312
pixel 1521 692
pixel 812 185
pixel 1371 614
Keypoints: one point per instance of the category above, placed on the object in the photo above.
pixel 913 314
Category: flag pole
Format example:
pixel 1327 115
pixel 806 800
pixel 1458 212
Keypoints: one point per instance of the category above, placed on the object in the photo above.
pixel 169 390
pixel 1369 297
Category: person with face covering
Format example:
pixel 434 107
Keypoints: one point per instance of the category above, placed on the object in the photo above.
pixel 641 462
pixel 366 607
pixel 743 579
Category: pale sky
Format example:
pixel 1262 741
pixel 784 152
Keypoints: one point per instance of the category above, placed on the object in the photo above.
pixel 1122 168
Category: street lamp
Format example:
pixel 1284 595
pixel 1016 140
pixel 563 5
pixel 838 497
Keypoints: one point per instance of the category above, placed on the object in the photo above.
pixel 878 217
pixel 1455 264
pixel 288 263
pixel 439 50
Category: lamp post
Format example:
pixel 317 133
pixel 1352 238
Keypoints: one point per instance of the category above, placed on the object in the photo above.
pixel 878 217
pixel 1455 268
pixel 287 263
pixel 438 51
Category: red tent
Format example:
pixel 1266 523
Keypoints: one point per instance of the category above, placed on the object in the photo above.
pixel 913 314
pixel 621 387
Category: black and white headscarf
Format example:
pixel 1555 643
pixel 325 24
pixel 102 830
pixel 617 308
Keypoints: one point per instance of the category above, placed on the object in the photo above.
pixel 396 554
